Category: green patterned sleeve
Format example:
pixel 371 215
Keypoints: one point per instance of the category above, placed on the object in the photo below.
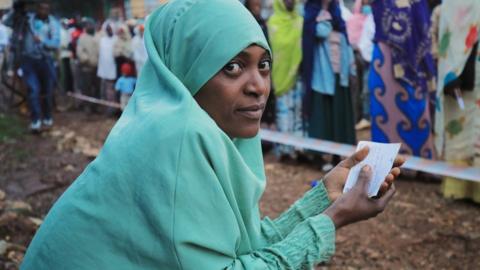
pixel 314 202
pixel 309 243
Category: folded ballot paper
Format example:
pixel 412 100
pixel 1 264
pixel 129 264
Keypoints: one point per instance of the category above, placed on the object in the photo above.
pixel 380 158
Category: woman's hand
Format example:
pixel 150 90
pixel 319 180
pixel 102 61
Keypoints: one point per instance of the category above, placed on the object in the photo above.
pixel 335 180
pixel 355 205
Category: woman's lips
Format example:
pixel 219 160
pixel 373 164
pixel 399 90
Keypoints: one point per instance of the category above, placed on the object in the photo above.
pixel 253 112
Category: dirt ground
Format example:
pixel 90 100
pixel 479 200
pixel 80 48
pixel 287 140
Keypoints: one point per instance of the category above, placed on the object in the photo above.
pixel 419 229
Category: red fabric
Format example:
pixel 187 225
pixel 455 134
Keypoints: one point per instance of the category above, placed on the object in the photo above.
pixel 127 69
pixel 76 34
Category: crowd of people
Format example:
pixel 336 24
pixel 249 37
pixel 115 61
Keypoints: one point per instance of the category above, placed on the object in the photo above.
pixel 397 67
pixel 102 60
pixel 80 55
pixel 405 69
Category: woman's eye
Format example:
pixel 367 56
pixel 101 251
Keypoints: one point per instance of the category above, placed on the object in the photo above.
pixel 232 68
pixel 265 65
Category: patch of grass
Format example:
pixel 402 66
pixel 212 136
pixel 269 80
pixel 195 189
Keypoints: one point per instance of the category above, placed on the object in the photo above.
pixel 10 127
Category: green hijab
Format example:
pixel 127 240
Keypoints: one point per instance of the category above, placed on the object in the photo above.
pixel 169 190
pixel 285 30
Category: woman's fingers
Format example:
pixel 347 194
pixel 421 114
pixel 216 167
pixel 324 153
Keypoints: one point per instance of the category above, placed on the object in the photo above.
pixel 395 172
pixel 399 161
pixel 356 158
pixel 383 201
pixel 383 188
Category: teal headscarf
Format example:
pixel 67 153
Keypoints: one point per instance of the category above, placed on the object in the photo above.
pixel 169 190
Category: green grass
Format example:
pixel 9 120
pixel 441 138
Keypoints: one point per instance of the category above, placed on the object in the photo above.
pixel 10 127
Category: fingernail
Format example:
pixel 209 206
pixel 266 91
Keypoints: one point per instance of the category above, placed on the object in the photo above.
pixel 366 168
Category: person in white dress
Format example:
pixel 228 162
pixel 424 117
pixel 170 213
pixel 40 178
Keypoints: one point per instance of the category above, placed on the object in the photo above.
pixel 139 51
pixel 107 70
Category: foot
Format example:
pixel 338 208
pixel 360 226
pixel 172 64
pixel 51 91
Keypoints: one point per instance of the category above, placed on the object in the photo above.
pixel 48 122
pixel 363 124
pixel 35 126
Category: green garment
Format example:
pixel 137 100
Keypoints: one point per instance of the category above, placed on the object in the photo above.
pixel 285 30
pixel 169 189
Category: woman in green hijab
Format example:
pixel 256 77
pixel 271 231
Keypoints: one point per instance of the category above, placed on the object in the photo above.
pixel 179 179
pixel 285 30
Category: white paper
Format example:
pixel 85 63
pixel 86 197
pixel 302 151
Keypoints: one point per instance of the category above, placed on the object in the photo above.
pixel 380 158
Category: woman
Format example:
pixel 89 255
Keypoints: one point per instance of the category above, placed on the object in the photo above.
pixel 107 70
pixel 361 30
pixel 435 26
pixel 177 183
pixel 457 126
pixel 138 47
pixel 356 22
pixel 285 28
pixel 402 76
pixel 329 102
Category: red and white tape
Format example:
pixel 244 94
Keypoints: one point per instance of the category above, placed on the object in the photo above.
pixel 413 163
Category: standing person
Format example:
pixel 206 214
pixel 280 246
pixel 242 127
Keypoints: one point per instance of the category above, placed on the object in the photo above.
pixel 268 118
pixel 107 70
pixel 457 126
pixel 115 19
pixel 285 28
pixel 87 55
pixel 139 51
pixel 40 41
pixel 122 49
pixel 356 22
pixel 435 27
pixel 4 42
pixel 75 33
pixel 66 55
pixel 361 31
pixel 132 27
pixel 402 76
pixel 126 84
pixel 330 108
pixel 178 182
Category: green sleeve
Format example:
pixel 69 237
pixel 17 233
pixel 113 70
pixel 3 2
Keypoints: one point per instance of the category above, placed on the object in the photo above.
pixel 314 202
pixel 310 242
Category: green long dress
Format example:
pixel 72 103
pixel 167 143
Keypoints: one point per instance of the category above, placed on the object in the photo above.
pixel 170 190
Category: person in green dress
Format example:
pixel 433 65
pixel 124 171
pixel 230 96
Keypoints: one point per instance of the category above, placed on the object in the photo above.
pixel 179 179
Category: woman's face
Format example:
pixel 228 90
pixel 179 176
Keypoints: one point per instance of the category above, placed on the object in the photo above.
pixel 289 4
pixel 255 7
pixel 235 97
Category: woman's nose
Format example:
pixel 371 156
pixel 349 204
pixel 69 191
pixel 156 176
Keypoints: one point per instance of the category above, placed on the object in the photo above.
pixel 258 85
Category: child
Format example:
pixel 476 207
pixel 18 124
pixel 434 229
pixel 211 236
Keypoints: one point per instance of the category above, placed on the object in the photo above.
pixel 126 84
